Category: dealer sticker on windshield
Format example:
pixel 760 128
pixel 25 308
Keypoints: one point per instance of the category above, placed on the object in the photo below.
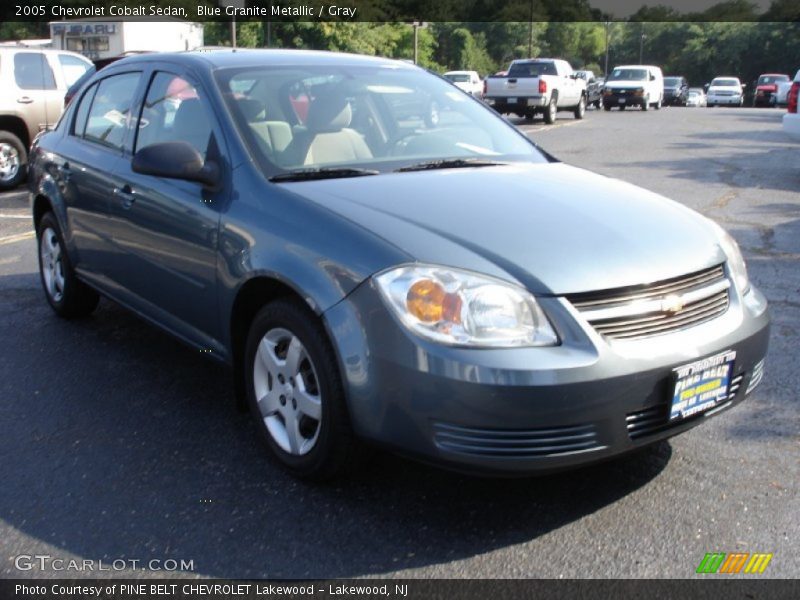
pixel 701 385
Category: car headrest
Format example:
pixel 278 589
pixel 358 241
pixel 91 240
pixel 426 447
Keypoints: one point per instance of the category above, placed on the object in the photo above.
pixel 329 112
pixel 189 116
pixel 252 110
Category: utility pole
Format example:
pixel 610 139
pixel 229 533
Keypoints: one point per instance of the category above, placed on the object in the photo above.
pixel 530 31
pixel 235 4
pixel 417 26
pixel 608 37
pixel 641 45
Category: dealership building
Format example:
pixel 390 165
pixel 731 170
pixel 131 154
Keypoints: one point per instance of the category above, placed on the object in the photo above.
pixel 104 38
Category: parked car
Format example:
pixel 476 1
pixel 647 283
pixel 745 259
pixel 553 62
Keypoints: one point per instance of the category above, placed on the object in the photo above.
pixel 782 93
pixel 443 287
pixel 538 86
pixel 634 85
pixel 696 97
pixel 766 93
pixel 676 88
pixel 33 81
pixel 469 81
pixel 594 87
pixel 791 120
pixel 727 91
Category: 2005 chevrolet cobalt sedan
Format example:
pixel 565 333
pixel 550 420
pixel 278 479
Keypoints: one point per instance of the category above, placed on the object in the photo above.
pixel 381 258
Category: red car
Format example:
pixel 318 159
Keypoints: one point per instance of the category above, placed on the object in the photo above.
pixel 767 88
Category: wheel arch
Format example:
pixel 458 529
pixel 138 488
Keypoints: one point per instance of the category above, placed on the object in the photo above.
pixel 14 124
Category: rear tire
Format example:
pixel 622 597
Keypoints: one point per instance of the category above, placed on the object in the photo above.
pixel 581 108
pixel 67 295
pixel 551 111
pixel 13 161
pixel 295 392
pixel 607 107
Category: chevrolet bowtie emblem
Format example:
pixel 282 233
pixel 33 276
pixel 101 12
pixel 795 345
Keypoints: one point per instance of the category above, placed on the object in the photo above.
pixel 672 304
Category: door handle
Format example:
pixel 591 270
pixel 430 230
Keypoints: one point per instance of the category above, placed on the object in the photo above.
pixel 126 196
pixel 25 100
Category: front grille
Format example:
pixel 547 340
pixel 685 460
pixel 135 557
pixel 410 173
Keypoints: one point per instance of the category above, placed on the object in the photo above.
pixel 516 443
pixel 655 419
pixel 656 309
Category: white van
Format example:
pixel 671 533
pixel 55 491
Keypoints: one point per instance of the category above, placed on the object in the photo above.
pixel 634 85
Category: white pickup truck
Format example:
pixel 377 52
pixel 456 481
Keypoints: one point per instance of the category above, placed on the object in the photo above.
pixel 537 86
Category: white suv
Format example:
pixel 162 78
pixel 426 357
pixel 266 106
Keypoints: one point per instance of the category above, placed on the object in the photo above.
pixel 725 90
pixel 33 83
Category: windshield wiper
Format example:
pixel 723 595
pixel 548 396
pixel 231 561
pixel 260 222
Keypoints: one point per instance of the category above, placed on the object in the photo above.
pixel 322 173
pixel 451 163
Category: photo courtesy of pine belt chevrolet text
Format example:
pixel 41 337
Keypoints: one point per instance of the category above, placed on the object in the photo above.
pixel 382 259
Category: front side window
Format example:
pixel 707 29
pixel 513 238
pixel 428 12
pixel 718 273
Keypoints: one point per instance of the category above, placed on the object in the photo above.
pixel 174 111
pixel 72 67
pixel 376 117
pixel 110 114
pixel 33 72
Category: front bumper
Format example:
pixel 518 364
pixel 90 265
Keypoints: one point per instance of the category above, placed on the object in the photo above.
pixel 528 410
pixel 732 100
pixel 622 99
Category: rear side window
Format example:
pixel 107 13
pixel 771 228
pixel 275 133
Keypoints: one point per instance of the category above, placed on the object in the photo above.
pixel 110 112
pixel 72 67
pixel 33 72
pixel 82 112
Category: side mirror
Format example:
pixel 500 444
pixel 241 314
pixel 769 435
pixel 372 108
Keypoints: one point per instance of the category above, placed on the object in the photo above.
pixel 175 160
pixel 652 77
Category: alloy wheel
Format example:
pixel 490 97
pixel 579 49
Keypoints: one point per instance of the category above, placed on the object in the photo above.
pixel 52 265
pixel 287 391
pixel 9 162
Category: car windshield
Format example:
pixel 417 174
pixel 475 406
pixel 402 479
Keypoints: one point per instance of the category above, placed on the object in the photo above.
pixel 765 79
pixel 672 81
pixel 725 83
pixel 380 118
pixel 457 77
pixel 694 93
pixel 628 75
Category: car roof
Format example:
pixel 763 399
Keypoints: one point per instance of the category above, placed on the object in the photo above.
pixel 23 48
pixel 637 67
pixel 215 59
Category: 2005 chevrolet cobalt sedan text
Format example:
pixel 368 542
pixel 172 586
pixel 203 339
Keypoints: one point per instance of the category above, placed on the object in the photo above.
pixel 380 257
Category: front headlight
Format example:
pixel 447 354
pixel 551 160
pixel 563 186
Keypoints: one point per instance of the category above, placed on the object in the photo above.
pixel 456 307
pixel 736 264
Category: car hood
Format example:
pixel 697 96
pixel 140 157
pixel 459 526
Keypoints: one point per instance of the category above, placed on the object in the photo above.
pixel 554 228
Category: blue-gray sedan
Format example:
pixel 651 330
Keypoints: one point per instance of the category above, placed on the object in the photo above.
pixel 379 257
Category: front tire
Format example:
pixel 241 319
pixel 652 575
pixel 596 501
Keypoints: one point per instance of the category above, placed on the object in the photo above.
pixel 67 295
pixel 13 158
pixel 646 103
pixel 295 392
pixel 657 105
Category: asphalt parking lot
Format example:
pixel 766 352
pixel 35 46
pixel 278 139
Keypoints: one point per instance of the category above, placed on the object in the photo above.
pixel 117 442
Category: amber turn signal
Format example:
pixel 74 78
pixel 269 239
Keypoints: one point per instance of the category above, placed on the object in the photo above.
pixel 428 301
